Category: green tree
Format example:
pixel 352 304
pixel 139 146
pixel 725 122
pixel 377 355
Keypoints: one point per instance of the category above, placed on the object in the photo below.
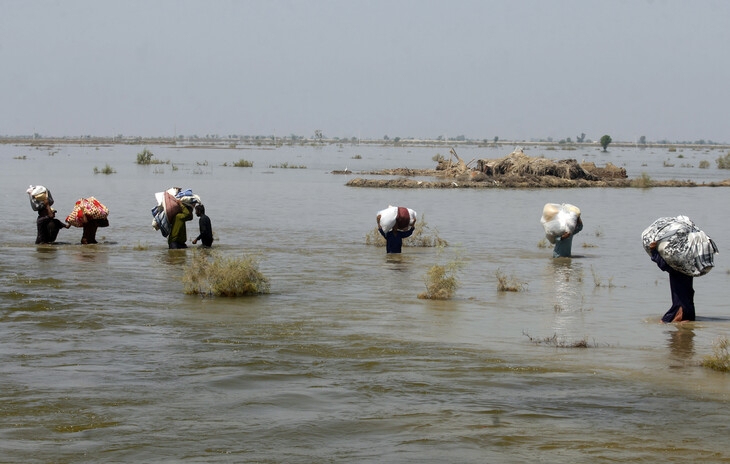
pixel 605 140
pixel 642 140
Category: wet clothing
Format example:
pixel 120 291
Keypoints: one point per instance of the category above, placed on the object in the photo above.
pixel 682 292
pixel 206 231
pixel 563 245
pixel 178 234
pixel 394 239
pixel 47 226
pixel 90 226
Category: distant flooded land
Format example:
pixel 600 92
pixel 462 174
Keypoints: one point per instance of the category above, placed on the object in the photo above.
pixel 513 171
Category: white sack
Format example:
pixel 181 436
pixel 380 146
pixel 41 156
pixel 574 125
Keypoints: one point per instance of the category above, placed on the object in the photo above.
pixel 558 219
pixel 389 215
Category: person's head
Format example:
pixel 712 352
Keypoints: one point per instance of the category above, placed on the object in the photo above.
pixel 199 210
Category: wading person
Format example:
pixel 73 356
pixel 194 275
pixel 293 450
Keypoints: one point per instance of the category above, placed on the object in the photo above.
pixel 564 243
pixel 47 224
pixel 394 237
pixel 90 227
pixel 683 302
pixel 206 231
pixel 178 234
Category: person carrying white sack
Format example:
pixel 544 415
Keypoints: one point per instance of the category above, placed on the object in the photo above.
pixel 398 223
pixel 561 223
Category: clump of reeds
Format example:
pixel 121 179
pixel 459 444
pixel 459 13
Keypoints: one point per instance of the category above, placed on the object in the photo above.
pixel 216 275
pixel 723 162
pixel 286 165
pixel 147 157
pixel 357 157
pixel 543 243
pixel 509 283
pixel 643 181
pixel 242 163
pixel 21 157
pixel 423 236
pixel 719 360
pixel 558 342
pixel 704 164
pixel 589 245
pixel 141 247
pixel 105 170
pixel 598 282
pixel 442 280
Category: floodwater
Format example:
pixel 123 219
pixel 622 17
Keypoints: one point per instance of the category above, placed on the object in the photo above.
pixel 105 359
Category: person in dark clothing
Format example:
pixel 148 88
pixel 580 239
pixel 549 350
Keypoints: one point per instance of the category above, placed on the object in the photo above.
pixel 178 234
pixel 394 238
pixel 683 304
pixel 47 224
pixel 90 226
pixel 206 231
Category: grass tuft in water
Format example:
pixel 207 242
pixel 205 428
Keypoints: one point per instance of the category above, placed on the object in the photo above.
pixel 105 170
pixel 442 280
pixel 719 360
pixel 559 342
pixel 543 243
pixel 510 283
pixel 210 273
pixel 242 163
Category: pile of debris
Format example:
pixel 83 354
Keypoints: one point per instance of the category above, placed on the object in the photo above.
pixel 519 164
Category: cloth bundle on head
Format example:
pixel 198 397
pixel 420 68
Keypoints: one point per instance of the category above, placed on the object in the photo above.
pixel 166 209
pixel 558 219
pixel 682 244
pixel 396 217
pixel 38 196
pixel 85 208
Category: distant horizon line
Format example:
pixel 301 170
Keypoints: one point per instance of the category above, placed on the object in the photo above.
pixel 275 140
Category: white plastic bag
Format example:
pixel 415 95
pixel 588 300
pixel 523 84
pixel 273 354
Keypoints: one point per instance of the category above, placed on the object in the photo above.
pixel 389 215
pixel 558 219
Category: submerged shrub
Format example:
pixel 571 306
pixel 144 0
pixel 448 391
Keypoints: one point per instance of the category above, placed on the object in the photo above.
pixel 242 163
pixel 217 275
pixel 723 162
pixel 105 170
pixel 509 283
pixel 147 157
pixel 704 164
pixel 720 358
pixel 442 280
pixel 423 236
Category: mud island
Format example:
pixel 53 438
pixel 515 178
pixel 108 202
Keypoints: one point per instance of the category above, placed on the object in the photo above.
pixel 516 170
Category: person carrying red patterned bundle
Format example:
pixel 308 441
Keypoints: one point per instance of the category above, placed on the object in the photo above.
pixel 89 214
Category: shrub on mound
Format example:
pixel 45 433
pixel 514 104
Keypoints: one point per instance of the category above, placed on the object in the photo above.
pixel 216 275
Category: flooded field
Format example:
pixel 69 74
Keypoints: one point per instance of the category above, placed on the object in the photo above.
pixel 105 359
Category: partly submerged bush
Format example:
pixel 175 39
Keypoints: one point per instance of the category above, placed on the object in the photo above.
pixel 242 163
pixel 510 283
pixel 105 170
pixel 423 236
pixel 147 157
pixel 723 162
pixel 442 280
pixel 704 164
pixel 217 275
pixel 720 358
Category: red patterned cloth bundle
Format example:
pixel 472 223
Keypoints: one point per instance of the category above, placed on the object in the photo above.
pixel 87 207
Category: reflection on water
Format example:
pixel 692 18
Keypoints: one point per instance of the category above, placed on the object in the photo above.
pixel 103 354
pixel 681 344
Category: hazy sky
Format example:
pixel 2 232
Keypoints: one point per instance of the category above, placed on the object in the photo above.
pixel 513 69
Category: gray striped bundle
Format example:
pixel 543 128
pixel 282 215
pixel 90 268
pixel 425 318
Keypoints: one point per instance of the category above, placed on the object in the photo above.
pixel 682 244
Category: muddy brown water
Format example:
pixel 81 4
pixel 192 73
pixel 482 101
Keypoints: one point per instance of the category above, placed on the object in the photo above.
pixel 104 359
